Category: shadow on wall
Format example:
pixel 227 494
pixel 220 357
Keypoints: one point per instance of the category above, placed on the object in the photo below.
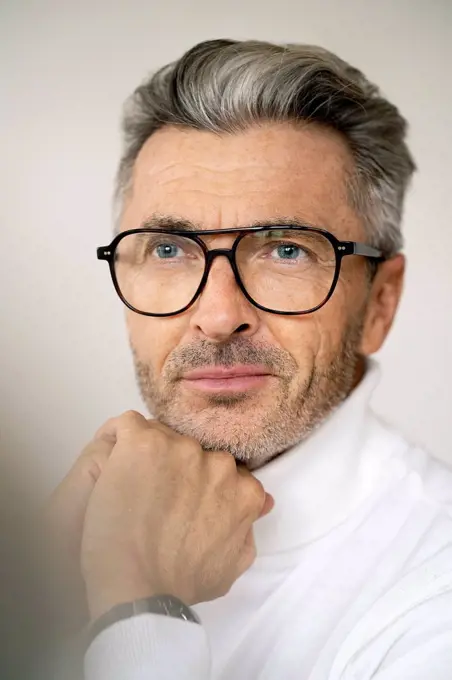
pixel 34 616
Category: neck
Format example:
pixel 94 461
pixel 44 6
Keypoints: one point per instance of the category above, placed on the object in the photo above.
pixel 319 482
pixel 359 373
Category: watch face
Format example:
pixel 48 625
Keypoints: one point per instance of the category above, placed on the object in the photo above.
pixel 172 606
pixel 179 609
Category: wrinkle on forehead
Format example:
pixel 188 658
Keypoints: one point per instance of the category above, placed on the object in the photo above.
pixel 223 181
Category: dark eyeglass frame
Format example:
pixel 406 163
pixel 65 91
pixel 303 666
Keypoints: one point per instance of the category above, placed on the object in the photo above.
pixel 341 249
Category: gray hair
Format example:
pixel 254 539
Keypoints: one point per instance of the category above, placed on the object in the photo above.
pixel 226 86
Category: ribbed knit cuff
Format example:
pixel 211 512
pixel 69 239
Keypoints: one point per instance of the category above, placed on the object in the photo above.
pixel 149 646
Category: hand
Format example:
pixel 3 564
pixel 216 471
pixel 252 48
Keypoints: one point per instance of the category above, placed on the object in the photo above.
pixel 165 517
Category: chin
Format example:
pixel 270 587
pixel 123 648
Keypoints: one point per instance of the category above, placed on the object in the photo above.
pixel 252 435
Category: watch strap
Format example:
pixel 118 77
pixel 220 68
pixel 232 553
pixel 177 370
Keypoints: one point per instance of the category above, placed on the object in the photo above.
pixel 166 605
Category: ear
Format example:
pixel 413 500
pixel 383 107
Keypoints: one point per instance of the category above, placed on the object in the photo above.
pixel 383 301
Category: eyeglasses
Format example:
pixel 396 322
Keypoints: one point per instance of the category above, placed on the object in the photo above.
pixel 280 269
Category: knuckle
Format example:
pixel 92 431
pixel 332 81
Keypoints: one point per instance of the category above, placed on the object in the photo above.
pixel 150 441
pixel 222 475
pixel 130 425
pixel 224 463
pixel 253 493
pixel 250 483
pixel 120 426
pixel 130 419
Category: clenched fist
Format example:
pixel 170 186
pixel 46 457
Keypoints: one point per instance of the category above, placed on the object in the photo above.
pixel 165 517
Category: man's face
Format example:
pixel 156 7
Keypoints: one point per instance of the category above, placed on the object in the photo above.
pixel 307 364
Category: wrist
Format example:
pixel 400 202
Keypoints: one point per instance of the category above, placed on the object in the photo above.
pixel 103 600
pixel 104 592
pixel 164 605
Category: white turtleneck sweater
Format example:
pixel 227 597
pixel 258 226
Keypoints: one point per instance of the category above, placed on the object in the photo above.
pixel 352 580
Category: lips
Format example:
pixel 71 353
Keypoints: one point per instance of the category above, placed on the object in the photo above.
pixel 218 379
pixel 224 373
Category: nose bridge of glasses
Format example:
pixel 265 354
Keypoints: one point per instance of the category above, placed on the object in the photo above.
pixel 228 253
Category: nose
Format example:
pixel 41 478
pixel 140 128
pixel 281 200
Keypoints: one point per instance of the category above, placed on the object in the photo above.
pixel 222 310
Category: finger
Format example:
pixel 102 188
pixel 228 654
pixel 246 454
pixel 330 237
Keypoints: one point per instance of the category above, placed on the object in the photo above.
pixel 125 423
pixel 94 458
pixel 269 504
pixel 264 502
pixel 67 505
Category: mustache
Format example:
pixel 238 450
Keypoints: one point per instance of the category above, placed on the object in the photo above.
pixel 203 353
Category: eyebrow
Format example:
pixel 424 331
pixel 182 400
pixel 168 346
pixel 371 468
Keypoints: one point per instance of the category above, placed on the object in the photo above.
pixel 169 222
pixel 172 223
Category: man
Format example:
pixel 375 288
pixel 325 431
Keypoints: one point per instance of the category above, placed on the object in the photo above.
pixel 264 523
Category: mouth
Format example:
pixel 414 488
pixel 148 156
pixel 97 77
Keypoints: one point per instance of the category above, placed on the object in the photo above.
pixel 221 379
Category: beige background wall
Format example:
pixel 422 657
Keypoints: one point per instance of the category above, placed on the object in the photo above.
pixel 66 67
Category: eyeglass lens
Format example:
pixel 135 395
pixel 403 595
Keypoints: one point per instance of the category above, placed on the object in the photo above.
pixel 284 270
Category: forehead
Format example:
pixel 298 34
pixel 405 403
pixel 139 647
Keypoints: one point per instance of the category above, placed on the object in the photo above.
pixel 233 180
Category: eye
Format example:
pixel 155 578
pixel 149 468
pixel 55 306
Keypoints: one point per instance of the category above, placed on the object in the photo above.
pixel 288 251
pixel 165 251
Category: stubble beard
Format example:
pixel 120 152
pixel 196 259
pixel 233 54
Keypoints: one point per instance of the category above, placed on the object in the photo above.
pixel 240 424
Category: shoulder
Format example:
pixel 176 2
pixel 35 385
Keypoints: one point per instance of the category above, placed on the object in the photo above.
pixel 429 479
pixel 416 497
pixel 410 620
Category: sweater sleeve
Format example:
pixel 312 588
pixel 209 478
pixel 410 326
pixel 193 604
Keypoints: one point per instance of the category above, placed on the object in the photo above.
pixel 149 647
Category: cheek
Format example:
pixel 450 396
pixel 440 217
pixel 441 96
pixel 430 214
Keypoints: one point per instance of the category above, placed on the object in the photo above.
pixel 152 339
pixel 303 337
pixel 314 338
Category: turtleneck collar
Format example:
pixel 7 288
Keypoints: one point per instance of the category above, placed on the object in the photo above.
pixel 319 482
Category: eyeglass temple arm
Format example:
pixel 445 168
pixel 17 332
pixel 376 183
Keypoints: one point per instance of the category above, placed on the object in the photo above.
pixel 354 248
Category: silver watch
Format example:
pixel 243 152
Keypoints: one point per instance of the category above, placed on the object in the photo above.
pixel 167 605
